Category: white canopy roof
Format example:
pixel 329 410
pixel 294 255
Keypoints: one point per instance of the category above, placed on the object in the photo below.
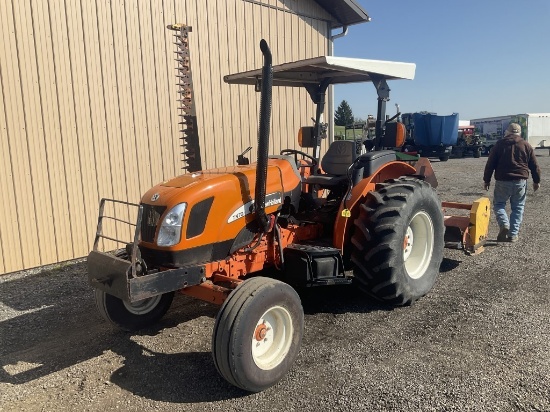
pixel 339 69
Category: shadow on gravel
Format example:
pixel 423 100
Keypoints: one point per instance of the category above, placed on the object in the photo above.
pixel 49 324
pixel 349 299
pixel 52 323
pixel 448 264
pixel 338 300
pixel 178 377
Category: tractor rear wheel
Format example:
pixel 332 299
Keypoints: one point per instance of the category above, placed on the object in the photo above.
pixel 257 334
pixel 397 244
pixel 132 316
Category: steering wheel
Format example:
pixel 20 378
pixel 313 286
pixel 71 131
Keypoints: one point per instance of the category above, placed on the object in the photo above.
pixel 297 153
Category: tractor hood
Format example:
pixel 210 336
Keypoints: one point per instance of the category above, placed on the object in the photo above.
pixel 219 203
pixel 228 184
pixel 232 172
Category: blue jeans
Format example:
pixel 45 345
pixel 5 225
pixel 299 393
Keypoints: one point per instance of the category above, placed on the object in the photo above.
pixel 515 191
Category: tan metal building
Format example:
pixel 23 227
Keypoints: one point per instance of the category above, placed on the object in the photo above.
pixel 88 104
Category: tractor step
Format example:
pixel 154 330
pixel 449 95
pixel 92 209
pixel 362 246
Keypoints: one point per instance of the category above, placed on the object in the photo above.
pixel 313 265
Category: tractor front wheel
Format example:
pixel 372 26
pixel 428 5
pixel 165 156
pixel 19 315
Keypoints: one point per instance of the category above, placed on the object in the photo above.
pixel 257 334
pixel 398 241
pixel 132 316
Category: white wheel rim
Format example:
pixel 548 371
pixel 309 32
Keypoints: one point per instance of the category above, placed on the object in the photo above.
pixel 418 245
pixel 272 338
pixel 142 307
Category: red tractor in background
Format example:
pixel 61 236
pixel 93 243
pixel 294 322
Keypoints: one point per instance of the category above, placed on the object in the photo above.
pixel 468 141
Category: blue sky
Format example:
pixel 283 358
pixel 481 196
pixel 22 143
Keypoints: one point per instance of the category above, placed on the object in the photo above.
pixel 478 58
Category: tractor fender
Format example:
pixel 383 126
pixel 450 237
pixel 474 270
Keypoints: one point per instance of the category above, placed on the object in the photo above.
pixel 349 208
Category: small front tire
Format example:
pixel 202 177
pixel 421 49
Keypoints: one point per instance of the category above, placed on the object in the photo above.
pixel 257 334
pixel 132 316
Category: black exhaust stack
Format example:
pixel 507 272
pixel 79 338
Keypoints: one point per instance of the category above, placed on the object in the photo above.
pixel 263 137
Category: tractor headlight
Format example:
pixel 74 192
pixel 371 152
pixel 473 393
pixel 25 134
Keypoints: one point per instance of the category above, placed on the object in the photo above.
pixel 170 229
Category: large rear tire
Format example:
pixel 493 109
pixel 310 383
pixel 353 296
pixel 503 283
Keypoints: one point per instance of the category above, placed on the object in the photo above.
pixel 132 316
pixel 398 241
pixel 257 334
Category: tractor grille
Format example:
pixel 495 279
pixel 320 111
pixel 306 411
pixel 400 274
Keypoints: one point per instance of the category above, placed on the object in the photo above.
pixel 149 220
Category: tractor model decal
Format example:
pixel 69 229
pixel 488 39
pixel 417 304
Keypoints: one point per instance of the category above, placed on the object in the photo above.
pixel 248 208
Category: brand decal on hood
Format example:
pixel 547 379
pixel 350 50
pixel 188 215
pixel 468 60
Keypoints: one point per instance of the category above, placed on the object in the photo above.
pixel 248 208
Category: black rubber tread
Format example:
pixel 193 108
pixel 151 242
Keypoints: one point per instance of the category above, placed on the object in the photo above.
pixel 235 323
pixel 444 158
pixel 378 235
pixel 224 323
pixel 477 153
pixel 113 310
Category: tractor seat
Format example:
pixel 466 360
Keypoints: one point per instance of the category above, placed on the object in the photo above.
pixel 339 156
pixel 342 153
pixel 367 164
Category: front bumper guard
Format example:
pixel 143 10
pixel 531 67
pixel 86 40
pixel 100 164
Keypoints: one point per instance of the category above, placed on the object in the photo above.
pixel 127 279
pixel 112 275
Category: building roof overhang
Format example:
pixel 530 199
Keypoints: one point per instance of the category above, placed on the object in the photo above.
pixel 345 12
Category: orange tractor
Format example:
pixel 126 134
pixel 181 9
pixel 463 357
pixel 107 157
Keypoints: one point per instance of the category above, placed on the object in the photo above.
pixel 353 217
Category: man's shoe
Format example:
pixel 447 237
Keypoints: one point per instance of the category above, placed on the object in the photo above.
pixel 503 234
pixel 512 239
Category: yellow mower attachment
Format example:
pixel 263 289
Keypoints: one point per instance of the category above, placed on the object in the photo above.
pixel 467 232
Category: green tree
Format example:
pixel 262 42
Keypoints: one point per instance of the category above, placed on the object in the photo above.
pixel 343 115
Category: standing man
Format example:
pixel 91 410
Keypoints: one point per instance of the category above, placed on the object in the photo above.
pixel 511 158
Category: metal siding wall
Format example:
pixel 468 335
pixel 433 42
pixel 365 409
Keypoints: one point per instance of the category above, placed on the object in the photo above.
pixel 8 224
pixel 6 185
pixel 88 106
pixel 20 199
pixel 97 131
pixel 63 58
pixel 202 77
pixel 291 37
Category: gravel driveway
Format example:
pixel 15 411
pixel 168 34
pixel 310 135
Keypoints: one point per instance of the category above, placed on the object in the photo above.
pixel 479 341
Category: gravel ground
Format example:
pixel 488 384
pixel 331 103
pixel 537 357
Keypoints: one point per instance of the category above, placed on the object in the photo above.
pixel 478 341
